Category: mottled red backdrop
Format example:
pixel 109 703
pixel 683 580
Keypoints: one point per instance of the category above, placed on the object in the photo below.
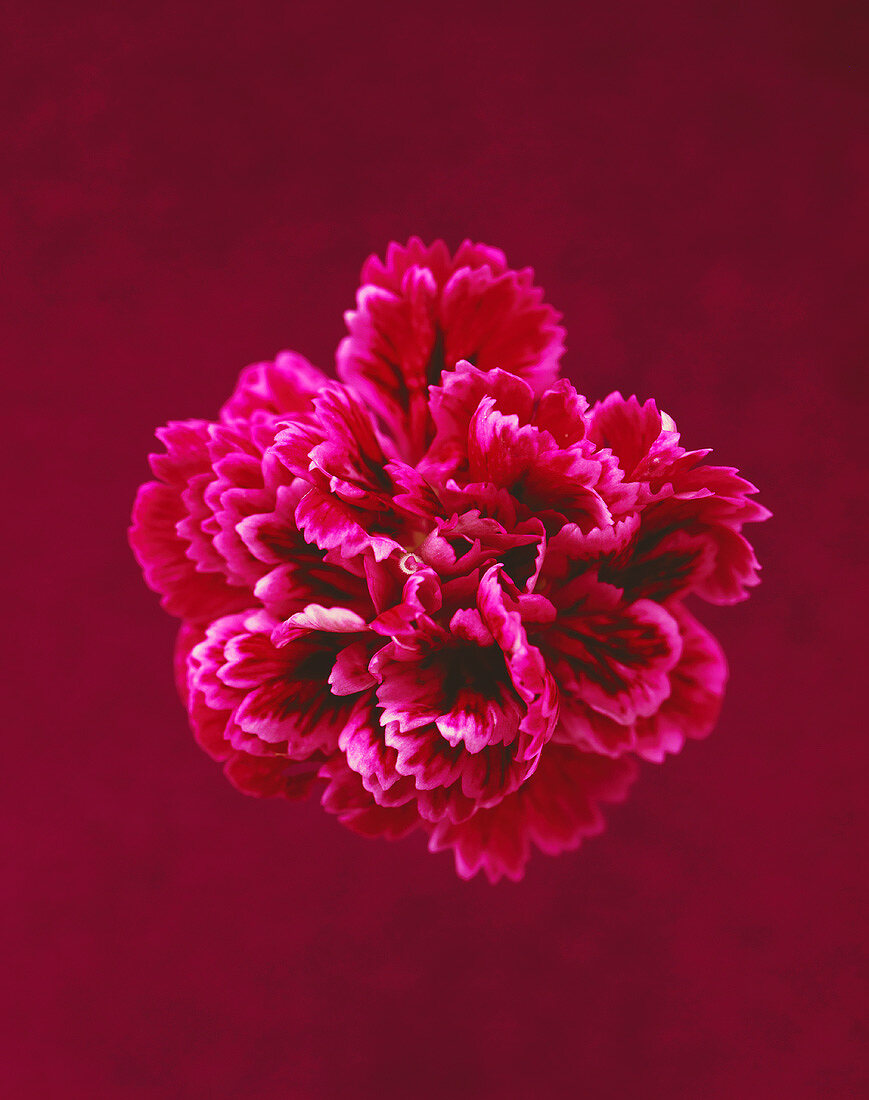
pixel 188 187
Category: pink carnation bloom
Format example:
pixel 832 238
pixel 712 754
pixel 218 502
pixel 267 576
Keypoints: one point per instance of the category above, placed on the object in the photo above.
pixel 444 592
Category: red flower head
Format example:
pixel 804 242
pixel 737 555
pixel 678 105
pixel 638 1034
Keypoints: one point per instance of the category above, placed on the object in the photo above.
pixel 443 592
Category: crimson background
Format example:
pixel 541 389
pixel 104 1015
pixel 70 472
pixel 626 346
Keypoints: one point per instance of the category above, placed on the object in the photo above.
pixel 189 187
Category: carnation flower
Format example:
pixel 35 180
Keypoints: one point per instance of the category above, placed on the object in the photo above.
pixel 444 593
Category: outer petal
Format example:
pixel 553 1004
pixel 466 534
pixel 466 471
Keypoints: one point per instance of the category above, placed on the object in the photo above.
pixel 614 656
pixel 261 776
pixel 681 498
pixel 162 554
pixel 393 354
pixel 274 776
pixel 435 257
pixel 556 808
pixel 346 797
pixel 193 583
pixel 691 544
pixel 689 711
pixel 425 311
pixel 277 700
pixel 287 385
pixel 697 691
pixel 632 431
pixel 501 321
